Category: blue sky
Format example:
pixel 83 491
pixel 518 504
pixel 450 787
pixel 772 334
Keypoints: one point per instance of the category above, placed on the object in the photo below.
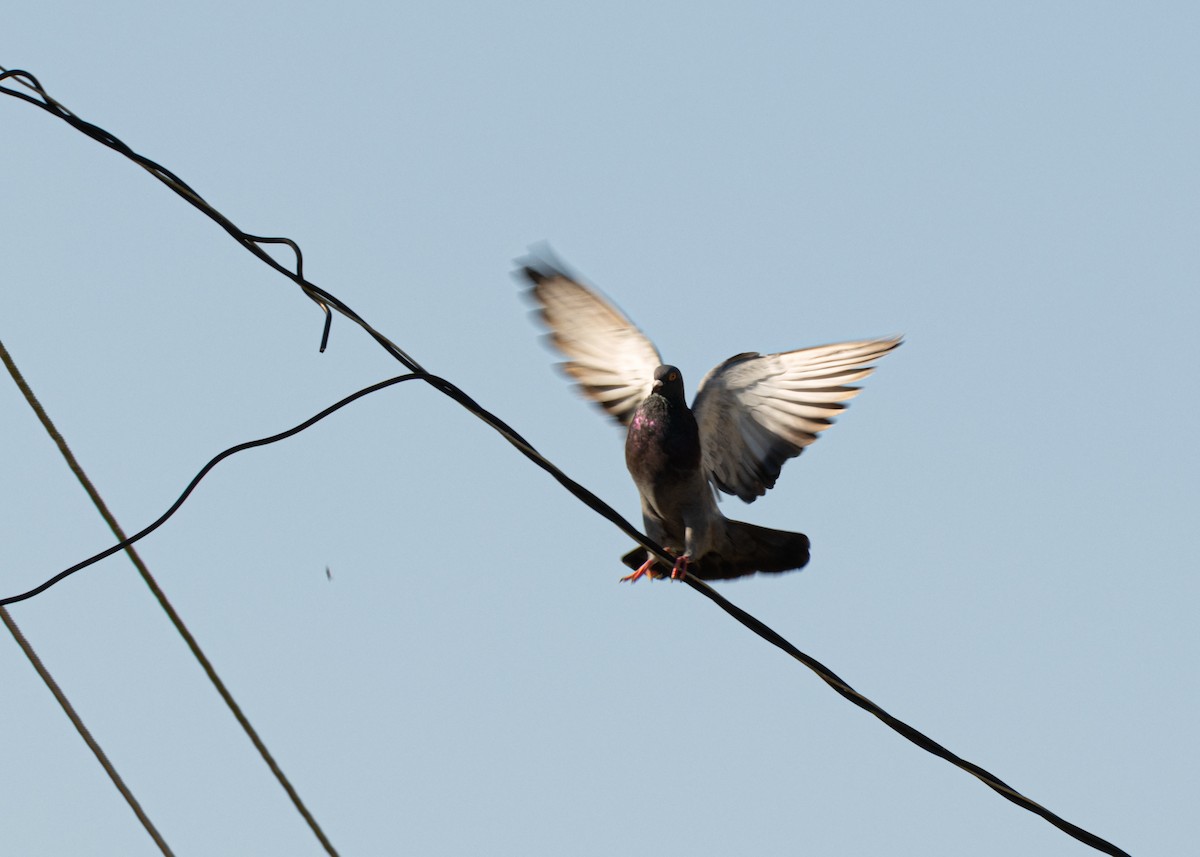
pixel 1003 522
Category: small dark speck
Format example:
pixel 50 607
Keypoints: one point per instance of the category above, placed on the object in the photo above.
pixel 328 573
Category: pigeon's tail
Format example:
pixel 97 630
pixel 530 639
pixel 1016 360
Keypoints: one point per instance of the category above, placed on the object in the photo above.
pixel 751 549
pixel 748 549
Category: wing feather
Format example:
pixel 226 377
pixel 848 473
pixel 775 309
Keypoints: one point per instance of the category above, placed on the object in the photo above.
pixel 756 411
pixel 608 357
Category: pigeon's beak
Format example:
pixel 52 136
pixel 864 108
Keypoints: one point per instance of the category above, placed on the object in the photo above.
pixel 657 385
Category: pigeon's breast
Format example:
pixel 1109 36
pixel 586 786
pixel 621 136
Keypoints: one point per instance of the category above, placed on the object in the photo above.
pixel 662 447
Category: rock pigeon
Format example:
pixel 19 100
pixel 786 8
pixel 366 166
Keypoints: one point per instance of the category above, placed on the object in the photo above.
pixel 750 415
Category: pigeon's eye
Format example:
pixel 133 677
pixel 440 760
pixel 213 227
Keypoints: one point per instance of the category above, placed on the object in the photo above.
pixel 674 376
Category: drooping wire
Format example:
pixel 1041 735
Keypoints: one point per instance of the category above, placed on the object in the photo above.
pixel 327 300
pixel 191 486
pixel 83 731
pixel 163 601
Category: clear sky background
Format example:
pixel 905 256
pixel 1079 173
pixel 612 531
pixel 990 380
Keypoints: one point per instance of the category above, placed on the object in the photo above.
pixel 1003 524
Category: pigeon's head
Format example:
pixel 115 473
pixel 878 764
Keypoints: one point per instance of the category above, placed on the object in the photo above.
pixel 668 383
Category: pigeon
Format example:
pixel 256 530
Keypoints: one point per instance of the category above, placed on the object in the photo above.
pixel 750 415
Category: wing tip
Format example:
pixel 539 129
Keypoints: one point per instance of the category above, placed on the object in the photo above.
pixel 530 273
pixel 540 264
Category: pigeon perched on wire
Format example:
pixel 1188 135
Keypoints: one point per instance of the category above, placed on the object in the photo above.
pixel 750 415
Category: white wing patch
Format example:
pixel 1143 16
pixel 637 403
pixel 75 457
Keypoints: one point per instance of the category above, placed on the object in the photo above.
pixel 612 361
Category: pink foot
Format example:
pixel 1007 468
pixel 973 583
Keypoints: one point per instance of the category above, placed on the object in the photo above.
pixel 644 571
pixel 679 572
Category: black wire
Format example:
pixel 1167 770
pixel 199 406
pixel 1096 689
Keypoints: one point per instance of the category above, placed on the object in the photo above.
pixel 184 190
pixel 213 462
pixel 325 300
pixel 920 739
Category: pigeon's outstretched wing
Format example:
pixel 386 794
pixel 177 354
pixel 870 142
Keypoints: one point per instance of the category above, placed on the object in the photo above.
pixel 756 411
pixel 612 361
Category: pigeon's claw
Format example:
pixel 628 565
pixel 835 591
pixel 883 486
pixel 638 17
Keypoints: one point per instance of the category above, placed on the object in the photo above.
pixel 644 571
pixel 679 572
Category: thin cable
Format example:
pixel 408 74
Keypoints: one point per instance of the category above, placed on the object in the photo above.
pixel 921 740
pixel 166 605
pixel 86 735
pixel 326 300
pixel 213 462
pixel 252 243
